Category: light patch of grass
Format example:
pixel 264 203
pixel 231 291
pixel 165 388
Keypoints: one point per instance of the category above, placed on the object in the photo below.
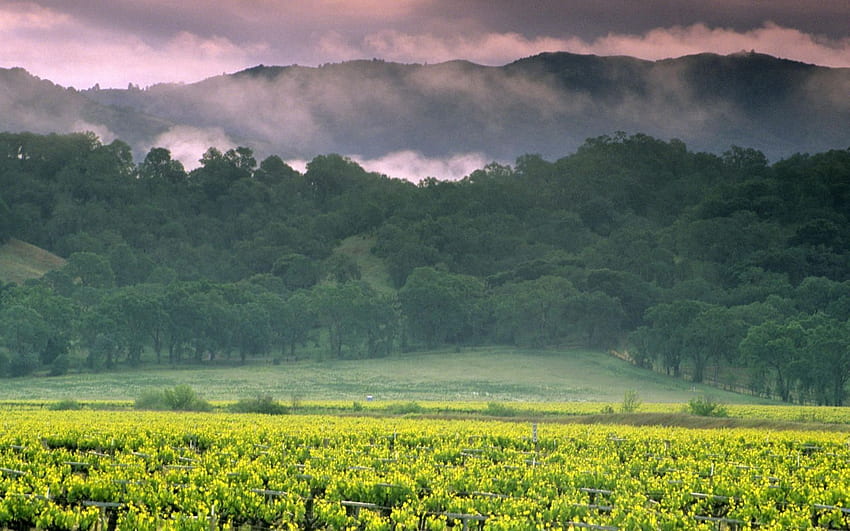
pixel 373 271
pixel 20 261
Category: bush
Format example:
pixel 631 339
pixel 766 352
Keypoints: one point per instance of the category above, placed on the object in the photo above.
pixel 151 399
pixel 706 407
pixel 495 409
pixel 631 402
pixel 184 398
pixel 406 408
pixel 265 405
pixel 65 405
pixel 178 398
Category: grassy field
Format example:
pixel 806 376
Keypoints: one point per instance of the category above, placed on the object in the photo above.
pixel 482 374
pixel 21 261
pixel 372 269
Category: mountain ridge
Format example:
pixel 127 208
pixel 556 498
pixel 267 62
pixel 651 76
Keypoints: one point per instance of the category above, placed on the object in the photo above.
pixel 547 104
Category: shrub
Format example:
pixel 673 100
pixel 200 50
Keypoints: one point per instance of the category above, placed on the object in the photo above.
pixel 495 409
pixel 151 399
pixel 631 402
pixel 706 407
pixel 178 398
pixel 295 401
pixel 265 405
pixel 65 405
pixel 406 408
pixel 184 398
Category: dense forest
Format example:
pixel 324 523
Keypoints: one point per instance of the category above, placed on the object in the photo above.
pixel 685 262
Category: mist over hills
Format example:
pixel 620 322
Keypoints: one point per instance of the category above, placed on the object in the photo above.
pixel 547 104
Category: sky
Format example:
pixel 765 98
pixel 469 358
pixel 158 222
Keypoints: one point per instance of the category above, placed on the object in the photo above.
pixel 79 43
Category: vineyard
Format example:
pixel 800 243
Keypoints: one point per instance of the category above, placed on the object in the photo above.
pixel 137 470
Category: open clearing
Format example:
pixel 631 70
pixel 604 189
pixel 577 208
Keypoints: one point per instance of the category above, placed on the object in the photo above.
pixel 480 374
pixel 21 261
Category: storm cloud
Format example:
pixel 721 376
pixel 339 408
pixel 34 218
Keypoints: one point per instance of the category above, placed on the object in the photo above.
pixel 120 42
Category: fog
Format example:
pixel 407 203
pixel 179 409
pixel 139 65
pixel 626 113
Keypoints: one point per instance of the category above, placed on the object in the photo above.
pixel 445 120
pixel 444 113
pixel 413 166
pixel 188 144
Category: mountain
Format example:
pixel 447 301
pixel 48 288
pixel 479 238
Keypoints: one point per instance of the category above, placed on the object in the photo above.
pixel 547 104
pixel 28 103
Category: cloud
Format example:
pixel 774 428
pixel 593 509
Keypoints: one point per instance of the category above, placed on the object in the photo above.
pixel 26 16
pixel 414 166
pixel 59 47
pixel 770 39
pixel 188 144
pixel 660 43
pixel 392 45
pixel 103 133
pixel 127 41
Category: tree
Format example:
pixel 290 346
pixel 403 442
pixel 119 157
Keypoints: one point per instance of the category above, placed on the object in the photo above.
pixel 91 270
pixel 330 175
pixel 597 318
pixel 533 312
pixel 159 170
pixel 25 334
pixel 294 319
pixel 634 294
pixel 827 349
pixel 712 335
pixel 666 336
pixel 273 171
pixel 745 162
pixel 56 312
pixel 253 329
pixel 296 270
pixel 138 315
pixel 179 318
pixel 344 310
pixel 219 170
pixel 777 347
pixel 380 318
pixel 439 306
pixel 7 225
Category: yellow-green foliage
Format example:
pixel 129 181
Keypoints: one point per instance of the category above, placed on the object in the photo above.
pixel 146 470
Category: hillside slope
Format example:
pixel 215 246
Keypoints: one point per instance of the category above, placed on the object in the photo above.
pixel 20 261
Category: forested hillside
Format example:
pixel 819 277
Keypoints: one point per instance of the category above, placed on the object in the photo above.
pixel 685 260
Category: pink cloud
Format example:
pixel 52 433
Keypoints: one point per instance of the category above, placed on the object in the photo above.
pixel 771 39
pixel 79 44
pixel 660 43
pixel 58 47
pixel 29 16
pixel 414 166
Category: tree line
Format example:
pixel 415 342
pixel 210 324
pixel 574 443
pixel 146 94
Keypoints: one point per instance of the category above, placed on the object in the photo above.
pixel 690 262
